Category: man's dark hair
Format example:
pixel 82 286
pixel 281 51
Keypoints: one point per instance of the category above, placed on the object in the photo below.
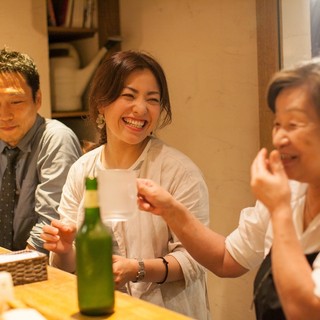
pixel 17 62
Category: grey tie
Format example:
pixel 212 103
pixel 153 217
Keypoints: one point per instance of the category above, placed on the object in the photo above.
pixel 7 197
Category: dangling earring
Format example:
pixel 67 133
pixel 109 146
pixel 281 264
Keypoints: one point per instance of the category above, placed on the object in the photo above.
pixel 100 121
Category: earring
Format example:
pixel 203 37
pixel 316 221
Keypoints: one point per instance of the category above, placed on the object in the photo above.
pixel 100 121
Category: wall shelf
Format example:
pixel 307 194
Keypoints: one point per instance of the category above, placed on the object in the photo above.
pixel 107 34
pixel 68 34
pixel 70 114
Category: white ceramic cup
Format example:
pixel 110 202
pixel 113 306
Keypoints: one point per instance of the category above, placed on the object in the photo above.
pixel 117 190
pixel 6 287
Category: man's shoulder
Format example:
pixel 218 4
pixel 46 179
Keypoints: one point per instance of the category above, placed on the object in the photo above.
pixel 56 127
pixel 55 134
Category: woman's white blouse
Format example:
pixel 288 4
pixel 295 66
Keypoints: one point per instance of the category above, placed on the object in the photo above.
pixel 146 235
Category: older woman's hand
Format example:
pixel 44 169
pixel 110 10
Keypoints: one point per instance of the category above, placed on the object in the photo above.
pixel 153 198
pixel 269 181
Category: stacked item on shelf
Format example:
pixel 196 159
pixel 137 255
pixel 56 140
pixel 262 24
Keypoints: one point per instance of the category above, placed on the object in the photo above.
pixel 71 13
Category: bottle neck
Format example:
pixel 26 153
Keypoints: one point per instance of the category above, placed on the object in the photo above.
pixel 92 212
pixel 91 199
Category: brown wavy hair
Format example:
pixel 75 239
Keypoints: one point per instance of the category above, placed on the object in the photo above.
pixel 110 76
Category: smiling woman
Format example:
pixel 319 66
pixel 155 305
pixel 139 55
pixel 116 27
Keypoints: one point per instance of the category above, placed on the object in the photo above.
pixel 129 101
pixel 294 206
pixel 296 132
pixel 281 233
pixel 134 115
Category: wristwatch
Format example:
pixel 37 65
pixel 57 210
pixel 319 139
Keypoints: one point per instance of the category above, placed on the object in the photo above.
pixel 141 272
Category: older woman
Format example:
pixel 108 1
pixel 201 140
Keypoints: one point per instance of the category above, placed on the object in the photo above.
pixel 282 232
pixel 129 100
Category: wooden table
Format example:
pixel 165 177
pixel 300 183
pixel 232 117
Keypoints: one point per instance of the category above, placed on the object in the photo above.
pixel 56 299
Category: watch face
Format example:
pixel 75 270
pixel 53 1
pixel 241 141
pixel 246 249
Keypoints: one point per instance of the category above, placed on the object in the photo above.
pixel 141 271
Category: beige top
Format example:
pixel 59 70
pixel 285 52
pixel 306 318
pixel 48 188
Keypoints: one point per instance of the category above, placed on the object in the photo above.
pixel 147 236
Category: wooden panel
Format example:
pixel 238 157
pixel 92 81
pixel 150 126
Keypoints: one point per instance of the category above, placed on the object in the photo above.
pixel 108 22
pixel 268 42
pixel 63 34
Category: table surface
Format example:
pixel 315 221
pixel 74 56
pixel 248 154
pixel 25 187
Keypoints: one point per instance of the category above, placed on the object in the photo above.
pixel 56 299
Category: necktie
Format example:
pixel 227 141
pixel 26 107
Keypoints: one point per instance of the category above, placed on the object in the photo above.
pixel 7 197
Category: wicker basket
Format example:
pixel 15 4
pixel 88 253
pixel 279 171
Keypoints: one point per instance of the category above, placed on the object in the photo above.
pixel 27 270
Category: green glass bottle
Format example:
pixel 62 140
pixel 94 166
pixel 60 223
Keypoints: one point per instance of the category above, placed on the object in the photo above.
pixel 94 258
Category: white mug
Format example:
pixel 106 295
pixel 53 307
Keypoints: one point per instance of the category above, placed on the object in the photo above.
pixel 117 190
pixel 6 287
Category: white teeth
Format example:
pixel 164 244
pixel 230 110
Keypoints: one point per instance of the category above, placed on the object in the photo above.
pixel 286 156
pixel 134 123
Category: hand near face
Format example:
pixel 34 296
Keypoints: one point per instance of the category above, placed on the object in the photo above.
pixel 153 198
pixel 269 181
pixel 58 236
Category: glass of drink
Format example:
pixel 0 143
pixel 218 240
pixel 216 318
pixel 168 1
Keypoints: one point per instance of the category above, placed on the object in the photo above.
pixel 117 190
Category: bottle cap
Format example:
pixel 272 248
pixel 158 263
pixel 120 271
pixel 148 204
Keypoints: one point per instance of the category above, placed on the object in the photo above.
pixel 91 183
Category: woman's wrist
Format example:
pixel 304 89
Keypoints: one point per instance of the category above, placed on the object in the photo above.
pixel 64 261
pixel 282 211
pixel 281 218
pixel 174 211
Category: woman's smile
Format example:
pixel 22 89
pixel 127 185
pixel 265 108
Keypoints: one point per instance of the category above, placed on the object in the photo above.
pixel 135 123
